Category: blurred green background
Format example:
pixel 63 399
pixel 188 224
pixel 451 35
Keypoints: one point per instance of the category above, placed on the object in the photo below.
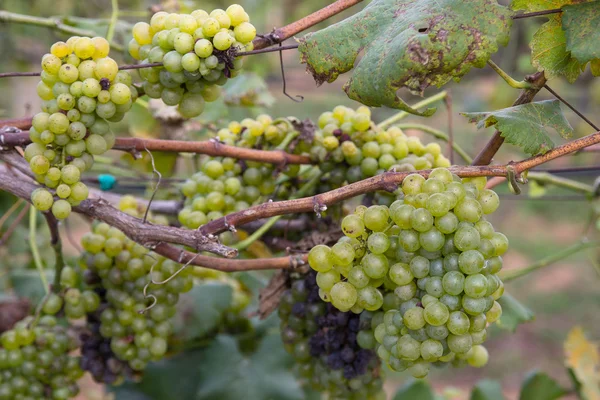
pixel 561 295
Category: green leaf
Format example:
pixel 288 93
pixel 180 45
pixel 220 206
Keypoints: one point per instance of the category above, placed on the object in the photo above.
pixel 203 309
pixel 536 190
pixel 595 67
pixel 248 90
pixel 487 389
pixel 415 390
pixel 526 126
pixel 513 313
pixel 580 23
pixel 583 360
pixel 549 44
pixel 226 374
pixel 539 386
pixel 406 44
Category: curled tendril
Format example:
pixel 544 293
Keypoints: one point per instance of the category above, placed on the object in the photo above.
pixel 159 283
pixel 157 183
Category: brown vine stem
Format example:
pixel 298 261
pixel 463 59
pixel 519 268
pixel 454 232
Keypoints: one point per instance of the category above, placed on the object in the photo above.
pixel 387 181
pixel 485 156
pixel 56 244
pixel 280 34
pixel 209 147
pixel 19 123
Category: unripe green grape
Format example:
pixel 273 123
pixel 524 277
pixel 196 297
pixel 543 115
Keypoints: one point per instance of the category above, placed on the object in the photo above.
pixel 106 110
pixel 431 350
pixel 86 70
pixel 60 88
pixel 245 32
pixel 44 92
pixel 421 220
pixel 469 210
pixel 494 313
pixel 91 87
pixel 409 240
pixel 61 140
pixel 460 344
pixel 473 306
pixel 378 243
pixel 188 23
pixel 376 218
pixel 68 73
pixel 326 280
pixel 210 92
pixel 191 105
pixel 120 93
pixel 358 278
pixel 63 191
pixel 432 240
pixel 414 318
pixel 86 105
pixel 375 266
pixel 183 43
pixel 342 253
pixel 222 17
pixel 106 68
pixel 478 356
pixel 142 33
pixel 369 298
pixel 58 123
pixel 436 314
pixel 42 199
pixel 223 41
pixel 53 174
pixel 353 226
pixel 476 286
pixel 471 262
pixel 447 223
pixel 70 174
pixel 343 296
pixel 190 62
pixel 39 164
pixel 320 258
pixel 51 64
pixel 453 282
pixel 467 238
pixel 79 191
pixel 210 27
pixel 65 101
pixel 236 14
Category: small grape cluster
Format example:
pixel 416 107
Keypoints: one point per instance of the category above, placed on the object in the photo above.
pixel 350 136
pixel 434 249
pixel 81 89
pixel 35 361
pixel 123 270
pixel 197 52
pixel 224 185
pixel 323 342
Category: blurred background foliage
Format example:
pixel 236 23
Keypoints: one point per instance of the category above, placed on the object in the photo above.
pixel 561 296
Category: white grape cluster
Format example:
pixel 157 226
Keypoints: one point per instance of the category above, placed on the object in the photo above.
pixel 197 52
pixel 81 88
pixel 351 137
pixel 436 252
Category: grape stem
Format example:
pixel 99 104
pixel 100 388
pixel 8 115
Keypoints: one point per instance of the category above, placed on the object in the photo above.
pixel 508 79
pixel 386 181
pixel 509 275
pixel 209 147
pixel 35 252
pixel 52 23
pixel 403 114
pixel 280 34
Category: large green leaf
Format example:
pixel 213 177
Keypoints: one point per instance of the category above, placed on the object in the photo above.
pixel 28 284
pixel 513 313
pixel 406 44
pixel 580 23
pixel 415 390
pixel 219 371
pixel 526 126
pixel 539 386
pixel 487 389
pixel 549 44
pixel 227 374
pixel 202 310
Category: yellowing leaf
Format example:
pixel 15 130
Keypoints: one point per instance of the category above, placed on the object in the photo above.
pixel 258 249
pixel 549 44
pixel 581 356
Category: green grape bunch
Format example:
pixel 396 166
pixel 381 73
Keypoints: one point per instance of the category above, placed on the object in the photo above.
pixel 35 361
pixel 131 326
pixel 197 52
pixel 434 249
pixel 82 89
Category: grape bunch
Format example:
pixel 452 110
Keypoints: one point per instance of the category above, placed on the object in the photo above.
pixel 350 136
pixel 323 341
pixel 197 52
pixel 224 185
pixel 434 249
pixel 81 88
pixel 120 270
pixel 35 361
